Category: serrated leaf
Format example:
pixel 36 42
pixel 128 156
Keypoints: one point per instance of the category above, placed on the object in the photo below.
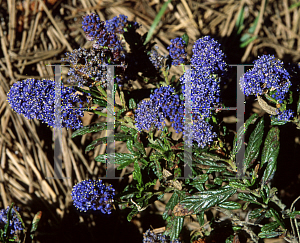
pixel 273 234
pixel 35 222
pixel 139 145
pixel 239 135
pixel 185 38
pixel 132 214
pixel 137 175
pixel 248 197
pixel 270 227
pixel 254 143
pixel 230 205
pixel 201 201
pixel 129 145
pixel 270 153
pixel 218 181
pixel 91 128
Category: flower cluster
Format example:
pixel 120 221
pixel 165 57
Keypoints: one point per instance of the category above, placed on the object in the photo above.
pixel 93 195
pixel 285 115
pixel 151 237
pixel 36 99
pixel 208 57
pixel 177 51
pixel 267 73
pixel 163 103
pixel 14 224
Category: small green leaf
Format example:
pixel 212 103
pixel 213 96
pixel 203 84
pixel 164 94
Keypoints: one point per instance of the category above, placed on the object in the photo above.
pixel 270 153
pixel 137 175
pixel 298 105
pixel 230 205
pixel 270 227
pixel 248 197
pixel 91 128
pixel 132 214
pixel 256 213
pixel 132 104
pixel 35 222
pixel 269 234
pixel 279 220
pixel 185 38
pixel 129 145
pixel 294 214
pixel 200 218
pixel 237 185
pixel 173 201
pixel 177 227
pixel 100 102
pixel 218 181
pixel 254 143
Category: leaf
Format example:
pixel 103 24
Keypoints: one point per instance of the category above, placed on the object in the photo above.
pixel 129 145
pixel 203 200
pixel 139 145
pixel 294 214
pixel 120 158
pixel 237 185
pixel 275 214
pixel 269 234
pixel 248 197
pixel 239 135
pixel 230 205
pixel 132 214
pixel 156 21
pixel 100 102
pixel 35 222
pixel 9 217
pixel 177 224
pixel 254 143
pixel 298 106
pixel 270 153
pixel 137 175
pixel 185 38
pixel 270 227
pixel 117 137
pixel 91 128
pixel 200 218
pixel 93 94
pixel 256 213
pixel 132 104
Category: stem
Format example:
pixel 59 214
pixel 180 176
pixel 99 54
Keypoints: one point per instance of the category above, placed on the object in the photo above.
pixel 166 76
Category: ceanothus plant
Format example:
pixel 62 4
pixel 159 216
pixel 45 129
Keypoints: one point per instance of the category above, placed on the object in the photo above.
pixel 213 180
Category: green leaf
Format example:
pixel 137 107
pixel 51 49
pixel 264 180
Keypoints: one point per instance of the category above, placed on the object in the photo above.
pixel 185 38
pixel 298 105
pixel 254 143
pixel 239 135
pixel 200 218
pixel 275 214
pixel 139 145
pixel 230 205
pixel 177 227
pixel 117 137
pixel 256 213
pixel 218 181
pixel 248 197
pixel 270 227
pixel 240 22
pixel 270 153
pixel 156 21
pixel 132 214
pixel 132 104
pixel 237 185
pixel 269 234
pixel 91 128
pixel 100 102
pixel 174 200
pixel 137 175
pixel 129 145
pixel 246 43
pixel 35 223
pixel 93 93
pixel 294 214
pixel 201 201
pixel 120 158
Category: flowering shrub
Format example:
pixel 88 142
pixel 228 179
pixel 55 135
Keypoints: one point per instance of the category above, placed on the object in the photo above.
pixel 189 103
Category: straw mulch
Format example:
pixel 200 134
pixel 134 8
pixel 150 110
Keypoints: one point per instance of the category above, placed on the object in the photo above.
pixel 35 34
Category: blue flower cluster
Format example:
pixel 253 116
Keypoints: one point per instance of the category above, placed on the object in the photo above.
pixel 177 51
pixel 208 57
pixel 93 195
pixel 267 73
pixel 151 237
pixel 14 224
pixel 163 103
pixel 36 99
pixel 285 115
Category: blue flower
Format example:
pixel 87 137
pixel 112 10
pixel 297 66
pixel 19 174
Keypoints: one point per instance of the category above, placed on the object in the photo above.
pixel 93 195
pixel 208 57
pixel 267 73
pixel 177 51
pixel 14 224
pixel 93 26
pixel 36 99
pixel 119 24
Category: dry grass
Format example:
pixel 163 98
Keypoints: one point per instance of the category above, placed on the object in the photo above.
pixel 37 33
